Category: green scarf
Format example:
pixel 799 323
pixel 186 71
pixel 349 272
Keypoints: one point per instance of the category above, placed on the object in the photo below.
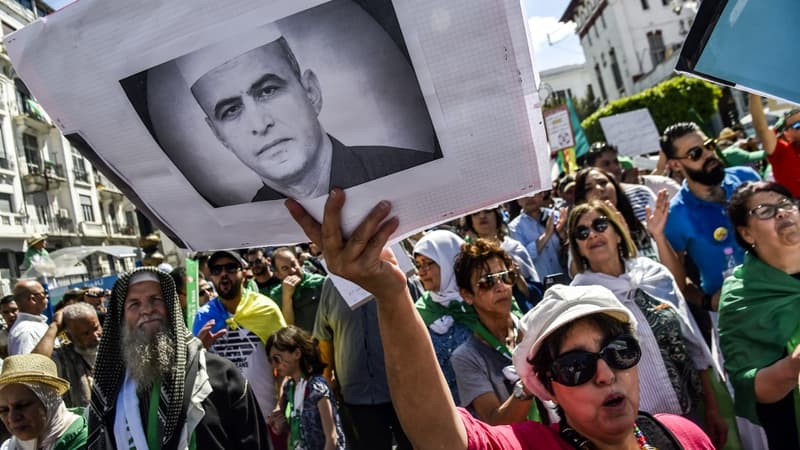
pixel 758 315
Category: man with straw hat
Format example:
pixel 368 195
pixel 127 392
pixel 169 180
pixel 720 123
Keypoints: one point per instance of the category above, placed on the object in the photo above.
pixel 36 251
pixel 156 387
pixel 32 409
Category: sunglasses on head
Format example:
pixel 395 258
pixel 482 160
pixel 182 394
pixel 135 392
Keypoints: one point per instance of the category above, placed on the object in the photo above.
pixel 487 282
pixel 230 268
pixel 766 211
pixel 599 225
pixel 577 367
pixel 695 153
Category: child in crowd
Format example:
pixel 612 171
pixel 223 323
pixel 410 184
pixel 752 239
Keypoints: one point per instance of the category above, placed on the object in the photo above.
pixel 306 404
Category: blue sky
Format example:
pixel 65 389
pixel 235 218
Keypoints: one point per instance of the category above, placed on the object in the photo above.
pixel 543 18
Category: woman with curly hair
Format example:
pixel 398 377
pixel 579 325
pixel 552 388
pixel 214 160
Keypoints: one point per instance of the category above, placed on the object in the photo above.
pixel 307 406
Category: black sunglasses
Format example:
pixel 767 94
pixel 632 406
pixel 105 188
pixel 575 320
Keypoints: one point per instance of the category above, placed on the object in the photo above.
pixel 766 211
pixel 487 282
pixel 230 268
pixel 599 225
pixel 695 153
pixel 577 367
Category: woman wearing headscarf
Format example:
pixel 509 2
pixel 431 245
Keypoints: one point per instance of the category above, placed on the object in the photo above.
pixel 447 316
pixel 32 409
pixel 759 311
pixel 588 367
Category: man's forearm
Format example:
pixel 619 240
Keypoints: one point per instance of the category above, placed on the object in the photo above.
pixel 47 342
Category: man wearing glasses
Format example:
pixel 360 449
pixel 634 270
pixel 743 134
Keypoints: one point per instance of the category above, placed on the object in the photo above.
pixel 31 324
pixel 698 223
pixel 96 297
pixel 783 149
pixel 261 265
pixel 236 324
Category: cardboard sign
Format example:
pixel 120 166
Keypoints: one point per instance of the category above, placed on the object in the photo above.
pixel 633 133
pixel 559 129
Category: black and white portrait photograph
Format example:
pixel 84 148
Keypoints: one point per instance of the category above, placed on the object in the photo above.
pixel 209 114
pixel 322 98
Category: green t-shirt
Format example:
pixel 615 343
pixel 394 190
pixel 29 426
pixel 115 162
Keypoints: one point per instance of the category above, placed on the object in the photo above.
pixel 305 299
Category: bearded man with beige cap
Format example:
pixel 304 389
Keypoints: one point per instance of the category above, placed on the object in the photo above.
pixel 155 385
pixel 263 108
pixel 31 407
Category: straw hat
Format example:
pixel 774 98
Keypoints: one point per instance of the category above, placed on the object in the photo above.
pixel 32 368
pixel 35 239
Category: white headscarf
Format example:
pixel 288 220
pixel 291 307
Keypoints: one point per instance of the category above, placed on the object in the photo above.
pixel 442 247
pixel 59 418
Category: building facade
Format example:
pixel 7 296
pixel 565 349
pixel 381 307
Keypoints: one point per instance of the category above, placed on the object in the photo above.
pixel 46 186
pixel 629 45
pixel 561 82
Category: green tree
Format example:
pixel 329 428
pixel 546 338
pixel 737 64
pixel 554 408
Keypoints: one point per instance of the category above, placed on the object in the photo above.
pixel 679 99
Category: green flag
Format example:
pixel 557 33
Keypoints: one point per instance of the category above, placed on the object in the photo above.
pixel 581 143
pixel 192 298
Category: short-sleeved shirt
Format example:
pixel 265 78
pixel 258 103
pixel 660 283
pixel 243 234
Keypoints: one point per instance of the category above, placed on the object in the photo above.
pixel 311 432
pixel 305 299
pixel 703 229
pixel 479 370
pixel 785 162
pixel 640 197
pixel 527 230
pixel 357 347
pixel 26 333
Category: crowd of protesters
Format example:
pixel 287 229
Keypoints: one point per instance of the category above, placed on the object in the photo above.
pixel 619 309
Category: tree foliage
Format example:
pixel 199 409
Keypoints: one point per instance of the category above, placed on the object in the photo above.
pixel 679 99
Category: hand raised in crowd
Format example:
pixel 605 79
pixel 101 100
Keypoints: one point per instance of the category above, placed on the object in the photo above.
pixel 657 218
pixel 362 258
pixel 207 337
pixel 619 215
pixel 290 284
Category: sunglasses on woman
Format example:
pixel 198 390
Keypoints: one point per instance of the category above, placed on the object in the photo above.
pixel 766 211
pixel 489 281
pixel 695 153
pixel 599 225
pixel 577 367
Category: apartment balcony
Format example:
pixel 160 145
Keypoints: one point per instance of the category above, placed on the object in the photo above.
pixel 43 177
pixel 105 189
pixel 33 117
pixel 81 176
pixel 117 229
pixel 63 226
pixel 7 165
pixel 90 229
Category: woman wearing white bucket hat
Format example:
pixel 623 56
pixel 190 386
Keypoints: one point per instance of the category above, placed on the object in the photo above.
pixel 583 332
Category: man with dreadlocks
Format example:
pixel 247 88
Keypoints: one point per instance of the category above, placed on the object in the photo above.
pixel 156 387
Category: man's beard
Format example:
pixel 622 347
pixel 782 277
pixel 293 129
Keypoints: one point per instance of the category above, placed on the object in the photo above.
pixel 89 354
pixel 232 292
pixel 147 358
pixel 259 270
pixel 706 177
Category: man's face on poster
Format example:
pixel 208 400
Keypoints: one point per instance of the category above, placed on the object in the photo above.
pixel 263 110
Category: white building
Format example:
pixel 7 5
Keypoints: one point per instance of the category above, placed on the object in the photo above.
pixel 629 45
pixel 573 80
pixel 46 186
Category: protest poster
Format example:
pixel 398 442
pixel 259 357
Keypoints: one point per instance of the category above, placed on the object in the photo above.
pixel 184 105
pixel 633 132
pixel 738 43
pixel 559 128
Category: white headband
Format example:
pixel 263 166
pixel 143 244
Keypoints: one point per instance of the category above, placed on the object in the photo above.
pixel 142 276
pixel 196 64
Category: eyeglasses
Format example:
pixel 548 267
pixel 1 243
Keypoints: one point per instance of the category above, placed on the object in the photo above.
pixel 230 268
pixel 579 366
pixel 42 294
pixel 695 153
pixel 95 294
pixel 599 225
pixel 489 281
pixel 257 262
pixel 794 126
pixel 766 211
pixel 426 266
pixel 204 291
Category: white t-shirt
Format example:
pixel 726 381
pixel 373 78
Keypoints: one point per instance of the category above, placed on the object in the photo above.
pixel 26 333
pixel 244 349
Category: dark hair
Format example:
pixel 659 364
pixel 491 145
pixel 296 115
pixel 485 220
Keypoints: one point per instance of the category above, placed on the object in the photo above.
pixel 737 205
pixel 291 338
pixel 474 257
pixel 501 226
pixel 627 247
pixel 256 251
pixel 550 348
pixel 673 132
pixel 178 275
pixel 7 299
pixel 623 204
pixel 596 151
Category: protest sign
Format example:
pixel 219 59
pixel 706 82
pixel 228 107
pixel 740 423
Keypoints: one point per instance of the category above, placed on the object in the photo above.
pixel 738 43
pixel 559 129
pixel 206 113
pixel 633 132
